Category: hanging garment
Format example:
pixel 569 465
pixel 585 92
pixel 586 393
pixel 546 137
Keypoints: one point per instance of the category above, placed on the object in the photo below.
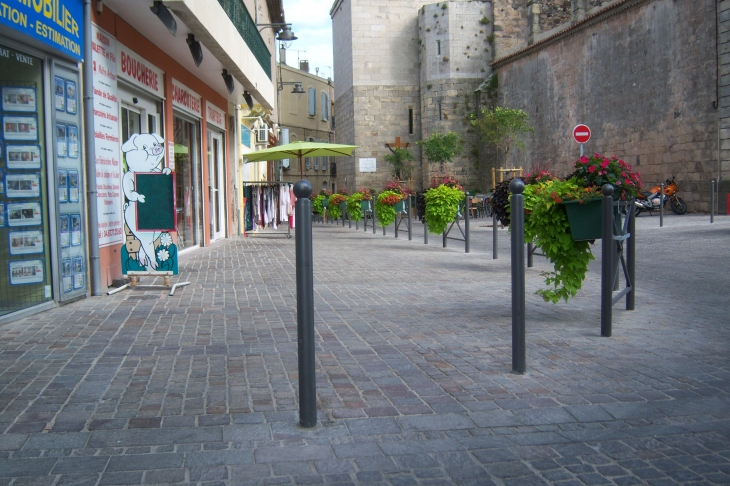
pixel 293 200
pixel 283 202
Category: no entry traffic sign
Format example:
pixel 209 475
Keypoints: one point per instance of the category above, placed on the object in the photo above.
pixel 581 133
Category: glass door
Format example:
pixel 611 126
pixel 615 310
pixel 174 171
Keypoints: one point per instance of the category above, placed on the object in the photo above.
pixel 216 185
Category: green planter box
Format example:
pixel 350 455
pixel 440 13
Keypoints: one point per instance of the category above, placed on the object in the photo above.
pixel 325 203
pixel 400 207
pixel 585 219
pixel 365 206
pixel 343 207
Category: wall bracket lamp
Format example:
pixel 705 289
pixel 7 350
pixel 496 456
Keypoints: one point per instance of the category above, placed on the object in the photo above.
pixel 297 86
pixel 196 49
pixel 285 35
pixel 228 79
pixel 164 14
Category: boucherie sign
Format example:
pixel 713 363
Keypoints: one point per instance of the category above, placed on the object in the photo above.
pixel 186 99
pixel 138 71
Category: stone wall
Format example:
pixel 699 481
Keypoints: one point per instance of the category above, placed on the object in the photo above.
pixel 723 12
pixel 642 76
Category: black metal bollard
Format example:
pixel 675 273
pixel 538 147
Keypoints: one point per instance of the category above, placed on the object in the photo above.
pixel 425 233
pixel 712 203
pixel 519 360
pixel 530 251
pixel 607 252
pixel 305 305
pixel 495 237
pixel 661 205
pixel 631 257
pixel 467 210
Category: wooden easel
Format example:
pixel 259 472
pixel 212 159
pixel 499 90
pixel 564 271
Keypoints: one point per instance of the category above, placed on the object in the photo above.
pixel 134 281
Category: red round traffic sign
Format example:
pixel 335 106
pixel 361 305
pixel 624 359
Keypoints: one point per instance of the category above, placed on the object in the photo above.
pixel 581 133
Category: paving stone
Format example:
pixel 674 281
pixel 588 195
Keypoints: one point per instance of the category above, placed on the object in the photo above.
pixel 287 454
pixel 80 465
pixel 436 422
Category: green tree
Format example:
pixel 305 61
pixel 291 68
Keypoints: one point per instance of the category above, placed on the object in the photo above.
pixel 441 147
pixel 400 159
pixel 503 128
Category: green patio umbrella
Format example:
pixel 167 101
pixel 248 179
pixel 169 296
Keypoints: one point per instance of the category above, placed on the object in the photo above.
pixel 300 150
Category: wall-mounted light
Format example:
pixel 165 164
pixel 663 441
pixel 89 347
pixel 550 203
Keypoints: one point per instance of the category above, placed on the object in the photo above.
pixel 228 79
pixel 196 49
pixel 297 86
pixel 249 99
pixel 285 35
pixel 164 14
pixel 99 7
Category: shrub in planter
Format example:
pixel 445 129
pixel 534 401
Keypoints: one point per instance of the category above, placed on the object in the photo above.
pixel 385 207
pixel 334 204
pixel 442 203
pixel 318 204
pixel 354 206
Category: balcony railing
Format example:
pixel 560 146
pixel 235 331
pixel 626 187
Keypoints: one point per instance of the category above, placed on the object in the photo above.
pixel 237 12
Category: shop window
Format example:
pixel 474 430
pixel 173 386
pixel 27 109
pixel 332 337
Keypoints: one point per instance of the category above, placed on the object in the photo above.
pixel 187 167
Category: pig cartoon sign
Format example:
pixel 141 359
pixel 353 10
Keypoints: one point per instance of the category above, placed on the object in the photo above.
pixel 149 207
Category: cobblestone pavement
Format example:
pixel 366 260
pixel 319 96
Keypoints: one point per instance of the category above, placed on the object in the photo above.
pixel 413 371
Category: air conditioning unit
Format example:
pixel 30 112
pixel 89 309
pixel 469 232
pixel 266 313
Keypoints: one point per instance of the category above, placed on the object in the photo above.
pixel 262 134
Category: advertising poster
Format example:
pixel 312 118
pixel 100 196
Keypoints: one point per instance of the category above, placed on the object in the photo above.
pixel 22 185
pixel 70 97
pixel 65 233
pixel 59 94
pixel 67 275
pixel 24 214
pixel 73 186
pixel 20 127
pixel 25 242
pixel 73 141
pixel 19 99
pixel 78 269
pixel 23 156
pixel 62 146
pixel 26 272
pixel 106 126
pixel 75 229
pixel 62 186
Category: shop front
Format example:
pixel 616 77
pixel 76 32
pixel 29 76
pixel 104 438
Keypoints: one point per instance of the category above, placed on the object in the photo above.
pixel 43 245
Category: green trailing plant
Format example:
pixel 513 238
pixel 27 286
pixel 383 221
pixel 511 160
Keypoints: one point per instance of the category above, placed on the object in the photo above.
pixel 318 204
pixel 384 207
pixel 334 205
pixel 354 209
pixel 399 159
pixel 442 203
pixel 441 147
pixel 546 223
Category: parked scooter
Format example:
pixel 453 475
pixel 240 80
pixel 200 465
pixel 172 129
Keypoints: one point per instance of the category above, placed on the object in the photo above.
pixel 648 201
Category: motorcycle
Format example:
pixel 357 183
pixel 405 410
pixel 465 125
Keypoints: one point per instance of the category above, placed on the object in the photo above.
pixel 649 201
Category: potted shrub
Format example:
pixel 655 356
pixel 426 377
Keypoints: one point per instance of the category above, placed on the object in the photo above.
pixel 337 204
pixel 442 205
pixel 385 206
pixel 358 203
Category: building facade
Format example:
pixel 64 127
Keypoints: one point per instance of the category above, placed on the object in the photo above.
pixel 306 117
pixel 165 80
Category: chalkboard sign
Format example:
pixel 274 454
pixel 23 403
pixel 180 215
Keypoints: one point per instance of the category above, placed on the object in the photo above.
pixel 157 212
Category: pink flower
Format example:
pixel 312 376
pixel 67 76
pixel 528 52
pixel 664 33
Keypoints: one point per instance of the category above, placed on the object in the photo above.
pixel 583 160
pixel 623 174
pixel 592 168
pixel 618 183
pixel 605 163
pixel 603 172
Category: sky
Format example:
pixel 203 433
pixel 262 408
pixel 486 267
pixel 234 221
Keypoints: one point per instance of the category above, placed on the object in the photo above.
pixel 312 24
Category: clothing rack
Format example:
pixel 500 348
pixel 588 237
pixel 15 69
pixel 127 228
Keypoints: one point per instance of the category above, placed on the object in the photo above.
pixel 288 234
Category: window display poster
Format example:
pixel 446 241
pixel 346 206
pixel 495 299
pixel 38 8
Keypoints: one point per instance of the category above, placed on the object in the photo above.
pixel 62 185
pixel 70 97
pixel 2 215
pixel 60 99
pixel 73 186
pixel 26 272
pixel 110 228
pixel 20 127
pixel 62 147
pixel 24 214
pixel 75 229
pixel 67 275
pixel 26 242
pixel 65 234
pixel 22 185
pixel 16 98
pixel 78 272
pixel 23 156
pixel 73 141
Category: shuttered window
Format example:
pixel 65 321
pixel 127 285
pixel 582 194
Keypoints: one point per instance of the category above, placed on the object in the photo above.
pixel 312 101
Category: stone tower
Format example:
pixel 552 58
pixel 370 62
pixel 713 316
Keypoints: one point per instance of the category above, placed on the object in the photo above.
pixel 391 80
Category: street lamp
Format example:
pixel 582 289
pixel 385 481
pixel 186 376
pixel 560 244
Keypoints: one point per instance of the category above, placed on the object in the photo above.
pixel 286 35
pixel 297 86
